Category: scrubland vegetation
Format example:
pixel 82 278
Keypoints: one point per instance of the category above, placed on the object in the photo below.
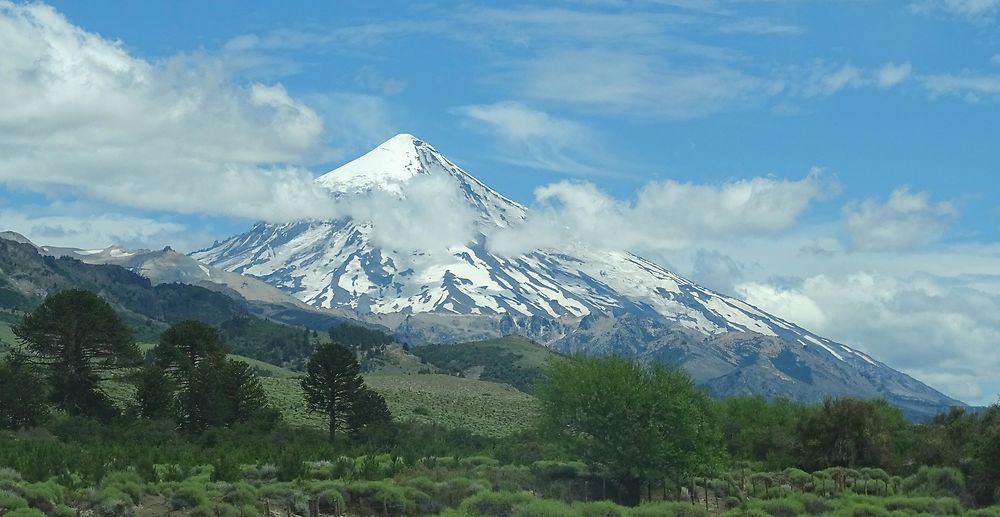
pixel 183 429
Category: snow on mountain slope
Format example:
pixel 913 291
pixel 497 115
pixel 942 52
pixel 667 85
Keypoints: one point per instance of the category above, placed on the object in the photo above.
pixel 556 296
pixel 336 264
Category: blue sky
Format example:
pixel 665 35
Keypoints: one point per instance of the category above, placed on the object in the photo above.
pixel 874 126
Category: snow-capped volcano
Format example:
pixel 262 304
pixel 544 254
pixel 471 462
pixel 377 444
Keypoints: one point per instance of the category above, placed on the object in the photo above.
pixel 557 296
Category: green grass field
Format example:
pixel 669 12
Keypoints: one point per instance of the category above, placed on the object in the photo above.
pixel 512 360
pixel 484 408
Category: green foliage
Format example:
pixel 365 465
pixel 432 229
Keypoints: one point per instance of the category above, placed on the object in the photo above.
pixel 511 360
pixel 25 512
pixel 79 340
pixel 849 433
pixel 936 482
pixel 155 398
pixel 755 429
pixel 367 344
pixel 638 421
pixel 23 394
pixel 270 342
pixel 332 383
pixel 669 509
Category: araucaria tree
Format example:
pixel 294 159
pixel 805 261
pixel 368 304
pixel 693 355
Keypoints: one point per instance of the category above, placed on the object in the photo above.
pixel 78 340
pixel 23 396
pixel 211 390
pixel 333 386
pixel 640 422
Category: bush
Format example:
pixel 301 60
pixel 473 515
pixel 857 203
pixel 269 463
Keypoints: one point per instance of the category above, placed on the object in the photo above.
pixel 11 501
pixel 673 509
pixel 993 511
pixel 813 505
pixel 24 512
pixel 188 495
pixel 780 507
pixel 128 482
pixel 600 509
pixel 240 494
pixel 331 501
pixel 476 461
pixel 494 504
pixel 931 505
pixel 43 496
pixel 863 510
pixel 544 508
pixel 936 482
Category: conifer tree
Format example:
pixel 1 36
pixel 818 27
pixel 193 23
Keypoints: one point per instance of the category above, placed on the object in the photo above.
pixel 79 341
pixel 332 384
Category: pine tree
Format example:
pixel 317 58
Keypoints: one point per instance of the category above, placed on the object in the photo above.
pixel 79 340
pixel 332 383
pixel 369 413
pixel 155 399
pixel 22 394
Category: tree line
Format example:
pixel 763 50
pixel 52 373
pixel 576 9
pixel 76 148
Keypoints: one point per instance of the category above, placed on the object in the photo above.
pixel 74 343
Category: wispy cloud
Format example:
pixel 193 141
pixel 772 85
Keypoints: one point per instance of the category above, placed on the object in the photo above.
pixel 536 139
pixel 979 11
pixel 969 86
pixel 891 74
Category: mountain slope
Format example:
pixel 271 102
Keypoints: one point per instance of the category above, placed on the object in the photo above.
pixel 575 300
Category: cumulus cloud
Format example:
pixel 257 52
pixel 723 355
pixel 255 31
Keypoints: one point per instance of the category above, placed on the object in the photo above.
pixel 78 113
pixel 664 215
pixel 905 221
pixel 891 74
pixel 941 330
pixel 94 231
pixel 534 138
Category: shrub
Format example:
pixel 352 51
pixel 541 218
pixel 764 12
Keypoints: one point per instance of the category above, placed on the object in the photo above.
pixel 993 511
pixel 600 509
pixel 11 501
pixel 476 461
pixel 332 501
pixel 239 494
pixel 43 496
pixel 780 507
pixel 746 512
pixel 544 508
pixel 813 505
pixel 127 482
pixel 24 512
pixel 62 511
pixel 494 504
pixel 188 495
pixel 863 510
pixel 931 505
pixel 936 482
pixel 673 509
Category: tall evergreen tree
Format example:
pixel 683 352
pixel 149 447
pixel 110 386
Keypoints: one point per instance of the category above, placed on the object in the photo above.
pixel 368 413
pixel 332 383
pixel 23 395
pixel 211 390
pixel 79 340
pixel 155 399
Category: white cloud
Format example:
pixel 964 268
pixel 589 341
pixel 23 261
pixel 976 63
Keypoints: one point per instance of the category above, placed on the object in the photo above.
pixel 995 59
pixel 536 139
pixel 969 86
pixel 939 330
pixel 825 80
pixel 640 84
pixel 891 74
pixel 972 10
pixel 664 216
pixel 906 220
pixel 79 114
pixel 94 231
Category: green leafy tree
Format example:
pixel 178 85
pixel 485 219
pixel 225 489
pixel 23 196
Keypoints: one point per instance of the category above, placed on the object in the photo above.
pixel 23 396
pixel 984 475
pixel 640 422
pixel 755 429
pixel 238 392
pixel 332 384
pixel 80 341
pixel 850 433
